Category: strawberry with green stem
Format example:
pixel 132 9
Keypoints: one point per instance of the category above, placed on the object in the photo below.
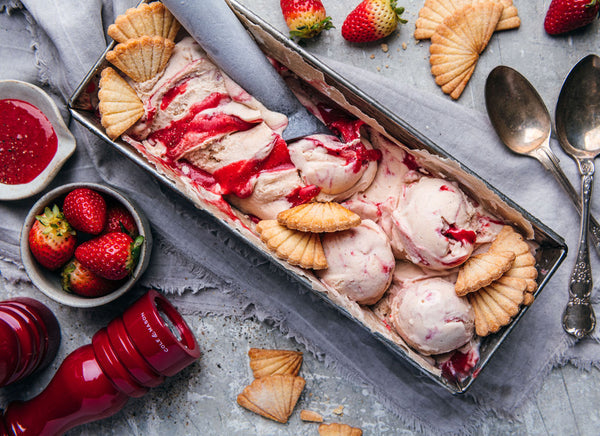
pixel 119 219
pixel 51 238
pixel 372 20
pixel 305 18
pixel 566 15
pixel 81 281
pixel 112 256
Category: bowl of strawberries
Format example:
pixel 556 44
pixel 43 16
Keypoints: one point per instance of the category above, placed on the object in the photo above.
pixel 85 244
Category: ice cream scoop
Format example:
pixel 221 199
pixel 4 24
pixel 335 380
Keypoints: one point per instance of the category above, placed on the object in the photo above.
pixel 434 224
pixel 431 317
pixel 216 28
pixel 360 261
pixel 338 169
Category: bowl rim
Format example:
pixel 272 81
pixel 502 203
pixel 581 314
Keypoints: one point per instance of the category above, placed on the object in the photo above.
pixel 66 143
pixel 38 275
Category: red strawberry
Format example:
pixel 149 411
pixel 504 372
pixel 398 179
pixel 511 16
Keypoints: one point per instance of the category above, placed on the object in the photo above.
pixel 81 281
pixel 85 210
pixel 372 20
pixel 112 256
pixel 119 219
pixel 566 15
pixel 305 18
pixel 52 240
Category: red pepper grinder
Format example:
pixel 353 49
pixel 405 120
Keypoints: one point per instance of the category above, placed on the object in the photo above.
pixel 149 342
pixel 29 338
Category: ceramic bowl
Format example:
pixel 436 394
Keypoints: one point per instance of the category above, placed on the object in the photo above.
pixel 18 90
pixel 48 282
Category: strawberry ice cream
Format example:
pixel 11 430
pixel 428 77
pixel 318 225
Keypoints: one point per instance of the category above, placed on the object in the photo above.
pixel 339 169
pixel 202 128
pixel 222 146
pixel 431 317
pixel 360 261
pixel 434 224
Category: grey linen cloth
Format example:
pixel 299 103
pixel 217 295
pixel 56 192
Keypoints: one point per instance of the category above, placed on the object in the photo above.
pixel 209 271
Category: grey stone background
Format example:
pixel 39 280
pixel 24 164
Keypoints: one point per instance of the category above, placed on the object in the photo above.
pixel 201 400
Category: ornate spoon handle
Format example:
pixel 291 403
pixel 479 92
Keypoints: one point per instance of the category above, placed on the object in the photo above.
pixel 550 162
pixel 578 318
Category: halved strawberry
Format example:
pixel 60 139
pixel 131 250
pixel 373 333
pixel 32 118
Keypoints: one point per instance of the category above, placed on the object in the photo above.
pixel 112 256
pixel 81 281
pixel 305 18
pixel 85 209
pixel 372 20
pixel 52 240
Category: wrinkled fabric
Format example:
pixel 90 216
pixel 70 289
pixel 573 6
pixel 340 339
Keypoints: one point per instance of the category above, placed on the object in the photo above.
pixel 53 43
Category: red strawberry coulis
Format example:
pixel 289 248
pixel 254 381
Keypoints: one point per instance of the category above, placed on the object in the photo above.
pixel 460 365
pixel 235 178
pixel 194 128
pixel 171 94
pixel 302 195
pixel 28 142
pixel 461 235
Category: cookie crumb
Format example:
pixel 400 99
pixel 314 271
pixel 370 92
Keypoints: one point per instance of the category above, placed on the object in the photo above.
pixel 385 48
pixel 310 416
pixel 404 46
pixel 372 56
pixel 339 410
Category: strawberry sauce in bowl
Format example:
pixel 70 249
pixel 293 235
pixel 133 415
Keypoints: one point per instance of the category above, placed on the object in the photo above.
pixel 34 140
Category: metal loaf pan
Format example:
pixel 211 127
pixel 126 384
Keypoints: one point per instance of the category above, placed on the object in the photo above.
pixel 552 248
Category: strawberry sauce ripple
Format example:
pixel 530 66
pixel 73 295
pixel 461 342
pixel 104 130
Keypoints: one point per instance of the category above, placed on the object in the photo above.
pixel 461 235
pixel 198 127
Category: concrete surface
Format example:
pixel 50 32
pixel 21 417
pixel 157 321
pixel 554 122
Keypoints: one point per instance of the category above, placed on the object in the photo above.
pixel 201 400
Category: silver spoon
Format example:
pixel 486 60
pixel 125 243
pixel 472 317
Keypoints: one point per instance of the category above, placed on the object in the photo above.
pixel 578 131
pixel 523 123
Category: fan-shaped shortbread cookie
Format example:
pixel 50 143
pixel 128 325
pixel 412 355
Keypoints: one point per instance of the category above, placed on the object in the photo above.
pixel 457 43
pixel 273 397
pixel 434 12
pixel 270 362
pixel 310 416
pixel 152 19
pixel 496 304
pixel 119 107
pixel 318 218
pixel 298 248
pixel 141 58
pixel 481 270
pixel 523 266
pixel 336 429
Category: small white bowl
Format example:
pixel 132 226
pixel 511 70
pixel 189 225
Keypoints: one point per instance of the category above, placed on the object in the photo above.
pixel 49 282
pixel 15 89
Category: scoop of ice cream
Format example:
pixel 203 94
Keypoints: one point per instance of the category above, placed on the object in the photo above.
pixel 360 261
pixel 434 224
pixel 339 169
pixel 274 192
pixel 192 104
pixel 430 316
pixel 395 169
